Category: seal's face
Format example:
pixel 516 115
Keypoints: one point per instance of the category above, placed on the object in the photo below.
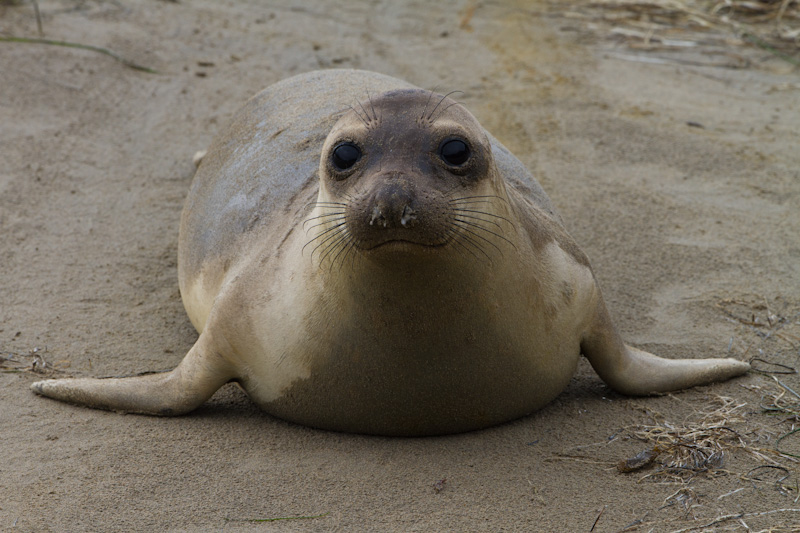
pixel 405 172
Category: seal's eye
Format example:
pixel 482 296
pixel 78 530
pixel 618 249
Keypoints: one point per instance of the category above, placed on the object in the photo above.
pixel 345 156
pixel 454 152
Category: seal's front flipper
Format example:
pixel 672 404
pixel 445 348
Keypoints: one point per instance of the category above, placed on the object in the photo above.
pixel 632 371
pixel 176 392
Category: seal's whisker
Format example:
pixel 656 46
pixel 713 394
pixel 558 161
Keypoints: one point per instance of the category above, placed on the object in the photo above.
pixel 342 111
pixel 440 103
pixel 337 238
pixel 471 237
pixel 461 214
pixel 359 116
pixel 461 236
pixel 332 228
pixel 324 246
pixel 326 204
pixel 458 211
pixel 462 224
pixel 351 247
pixel 427 102
pixel 347 247
pixel 442 112
pixel 458 234
pixel 339 244
pixel 471 202
pixel 335 230
pixel 374 113
pixel 351 197
pixel 341 216
pixel 369 121
pixel 485 197
pixel 449 193
pixel 338 222
pixel 465 226
pixel 329 234
pixel 475 211
pixel 488 214
pixel 327 215
pixel 431 94
pixel 322 234
pixel 477 196
pixel 452 236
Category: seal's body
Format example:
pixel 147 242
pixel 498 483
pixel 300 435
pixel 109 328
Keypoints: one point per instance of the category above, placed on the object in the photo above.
pixel 388 269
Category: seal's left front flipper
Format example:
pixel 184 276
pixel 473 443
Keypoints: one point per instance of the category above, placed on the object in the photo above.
pixel 632 371
pixel 176 392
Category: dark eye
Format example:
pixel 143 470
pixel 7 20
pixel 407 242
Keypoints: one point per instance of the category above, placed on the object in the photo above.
pixel 454 152
pixel 345 156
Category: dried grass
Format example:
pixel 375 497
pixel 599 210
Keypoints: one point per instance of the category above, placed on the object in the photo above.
pixel 768 333
pixel 683 450
pixel 718 26
pixel 32 361
pixel 765 332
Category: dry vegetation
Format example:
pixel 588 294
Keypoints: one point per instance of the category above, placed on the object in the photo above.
pixel 675 26
pixel 767 432
pixel 763 433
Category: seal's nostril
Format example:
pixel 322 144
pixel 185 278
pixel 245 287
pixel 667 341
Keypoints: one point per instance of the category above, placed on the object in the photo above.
pixel 409 216
pixel 377 216
pixel 392 206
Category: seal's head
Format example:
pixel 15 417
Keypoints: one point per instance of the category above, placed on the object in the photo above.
pixel 405 172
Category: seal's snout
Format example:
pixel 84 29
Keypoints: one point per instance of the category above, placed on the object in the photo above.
pixel 393 206
pixel 397 208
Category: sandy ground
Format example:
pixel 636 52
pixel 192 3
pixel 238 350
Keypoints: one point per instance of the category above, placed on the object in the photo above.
pixel 680 180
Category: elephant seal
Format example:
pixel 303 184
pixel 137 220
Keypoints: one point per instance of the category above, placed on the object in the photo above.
pixel 389 269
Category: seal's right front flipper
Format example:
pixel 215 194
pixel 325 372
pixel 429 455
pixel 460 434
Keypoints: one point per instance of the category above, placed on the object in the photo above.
pixel 176 392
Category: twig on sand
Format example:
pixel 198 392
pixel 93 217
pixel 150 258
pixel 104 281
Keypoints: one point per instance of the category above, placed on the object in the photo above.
pixel 596 520
pixel 106 51
pixel 735 516
pixel 771 49
pixel 33 361
pixel 38 18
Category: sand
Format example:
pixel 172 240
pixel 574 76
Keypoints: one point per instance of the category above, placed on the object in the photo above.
pixel 679 178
